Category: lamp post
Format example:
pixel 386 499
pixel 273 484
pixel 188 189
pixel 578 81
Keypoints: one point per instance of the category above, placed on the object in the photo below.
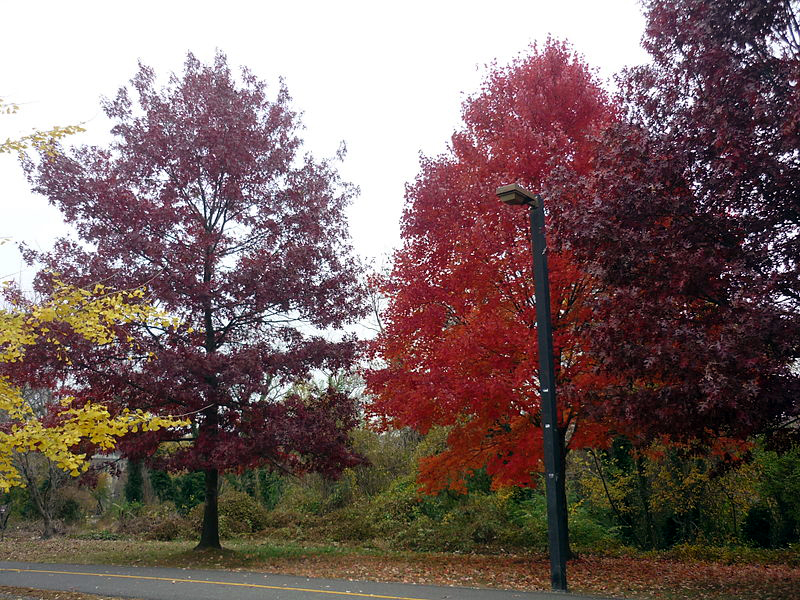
pixel 516 195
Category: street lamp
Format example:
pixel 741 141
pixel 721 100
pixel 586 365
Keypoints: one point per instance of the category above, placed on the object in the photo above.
pixel 516 195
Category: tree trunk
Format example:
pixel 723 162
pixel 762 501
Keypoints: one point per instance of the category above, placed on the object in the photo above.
pixel 42 502
pixel 209 535
pixel 40 493
pixel 644 497
pixel 48 530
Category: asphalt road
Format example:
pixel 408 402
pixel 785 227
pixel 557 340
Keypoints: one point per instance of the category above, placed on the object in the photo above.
pixel 155 583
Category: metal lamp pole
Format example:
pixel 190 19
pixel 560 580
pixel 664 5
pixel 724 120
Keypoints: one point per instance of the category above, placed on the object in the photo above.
pixel 515 194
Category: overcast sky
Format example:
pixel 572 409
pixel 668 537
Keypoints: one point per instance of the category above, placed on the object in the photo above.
pixel 386 78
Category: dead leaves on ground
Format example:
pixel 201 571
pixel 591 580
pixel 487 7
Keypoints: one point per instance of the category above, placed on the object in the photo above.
pixel 643 578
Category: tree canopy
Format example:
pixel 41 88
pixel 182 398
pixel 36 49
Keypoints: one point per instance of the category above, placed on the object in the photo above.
pixel 690 224
pixel 206 197
pixel 673 231
pixel 459 346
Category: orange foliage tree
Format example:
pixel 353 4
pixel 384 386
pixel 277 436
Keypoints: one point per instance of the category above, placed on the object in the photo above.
pixel 459 343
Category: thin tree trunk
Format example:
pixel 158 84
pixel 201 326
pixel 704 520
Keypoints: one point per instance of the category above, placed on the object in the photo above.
pixel 645 500
pixel 42 498
pixel 620 517
pixel 48 531
pixel 42 502
pixel 209 535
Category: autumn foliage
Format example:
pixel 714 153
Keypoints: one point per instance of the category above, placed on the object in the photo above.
pixel 206 198
pixel 673 232
pixel 690 224
pixel 74 425
pixel 459 344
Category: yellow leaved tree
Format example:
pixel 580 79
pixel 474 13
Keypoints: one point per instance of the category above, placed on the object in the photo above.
pixel 43 141
pixel 92 314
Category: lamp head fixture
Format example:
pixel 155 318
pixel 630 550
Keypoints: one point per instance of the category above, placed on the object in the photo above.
pixel 514 194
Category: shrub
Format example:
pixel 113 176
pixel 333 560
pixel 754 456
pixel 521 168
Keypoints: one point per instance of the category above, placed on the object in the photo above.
pixel 163 486
pixel 238 514
pixel 73 503
pixel 467 522
pixel 135 518
pixel 758 528
pixel 190 490
pixel 70 511
pixel 103 534
pixel 134 483
pixel 420 534
pixel 352 524
pixel 171 527
pixel 589 533
pixel 395 508
pixel 124 512
pixel 270 485
pixel 530 516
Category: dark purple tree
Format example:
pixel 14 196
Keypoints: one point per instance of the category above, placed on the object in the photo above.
pixel 205 198
pixel 723 92
pixel 692 225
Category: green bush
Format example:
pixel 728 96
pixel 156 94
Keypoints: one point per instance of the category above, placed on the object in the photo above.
pixel 586 532
pixel 467 523
pixel 758 528
pixel 478 520
pixel 352 524
pixel 20 503
pixel 190 490
pixel 420 534
pixel 163 486
pixel 70 511
pixel 238 514
pixel 134 483
pixel 530 516
pixel 270 486
pixel 135 518
pixel 389 455
pixel 169 527
pixel 73 504
pixel 103 534
pixel 780 488
pixel 125 511
pixel 185 490
pixel 285 517
pixel 396 507
pixel 734 554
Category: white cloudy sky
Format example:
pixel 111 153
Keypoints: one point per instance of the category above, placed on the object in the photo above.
pixel 386 78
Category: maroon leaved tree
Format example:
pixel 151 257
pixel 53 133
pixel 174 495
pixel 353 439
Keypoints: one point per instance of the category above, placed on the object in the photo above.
pixel 205 198
pixel 723 91
pixel 690 222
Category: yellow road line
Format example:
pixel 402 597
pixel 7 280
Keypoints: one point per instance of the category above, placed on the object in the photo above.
pixel 175 579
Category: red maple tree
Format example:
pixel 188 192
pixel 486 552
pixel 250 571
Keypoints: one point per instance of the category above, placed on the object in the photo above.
pixel 459 344
pixel 205 199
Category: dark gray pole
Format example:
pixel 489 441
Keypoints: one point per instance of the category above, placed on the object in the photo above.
pixel 553 443
pixel 557 532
